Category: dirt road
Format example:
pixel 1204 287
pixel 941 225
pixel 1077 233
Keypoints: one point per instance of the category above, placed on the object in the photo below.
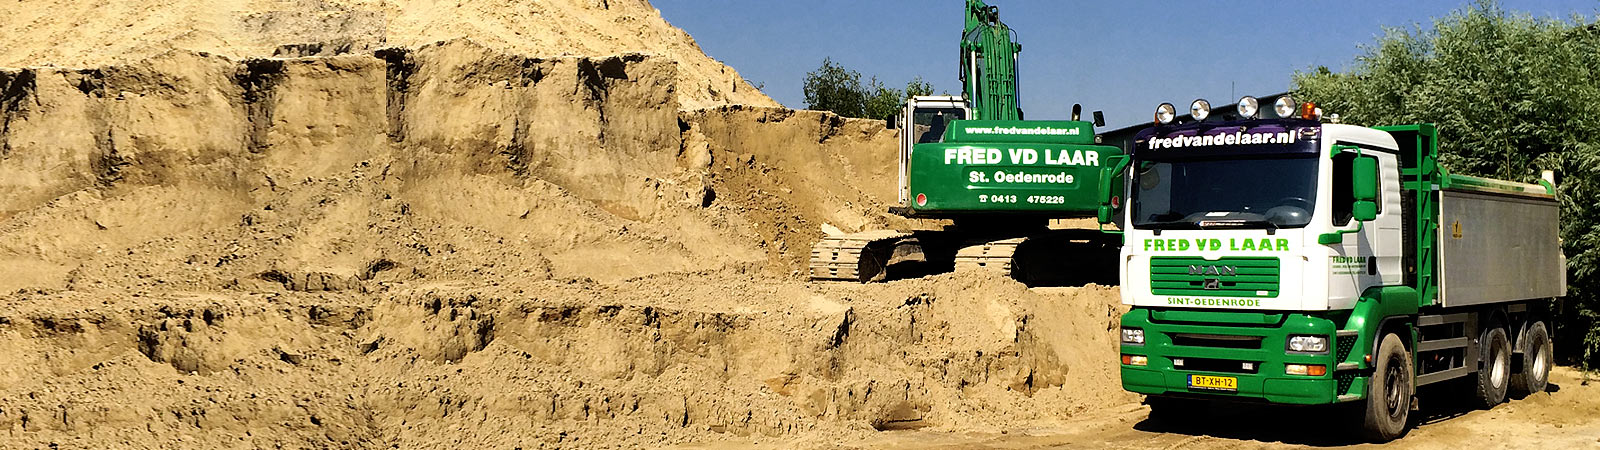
pixel 1566 417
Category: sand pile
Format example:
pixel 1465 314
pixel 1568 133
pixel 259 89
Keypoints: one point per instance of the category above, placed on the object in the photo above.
pixel 77 33
pixel 460 244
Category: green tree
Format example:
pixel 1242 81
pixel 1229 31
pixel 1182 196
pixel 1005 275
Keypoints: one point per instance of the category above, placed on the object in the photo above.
pixel 1512 95
pixel 882 101
pixel 885 101
pixel 834 88
pixel 917 87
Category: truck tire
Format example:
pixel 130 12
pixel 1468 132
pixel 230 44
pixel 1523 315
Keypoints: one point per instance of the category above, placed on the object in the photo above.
pixel 1494 372
pixel 1536 358
pixel 1172 411
pixel 1389 392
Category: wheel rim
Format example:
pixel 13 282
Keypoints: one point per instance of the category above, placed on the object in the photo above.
pixel 1394 382
pixel 1497 373
pixel 1541 360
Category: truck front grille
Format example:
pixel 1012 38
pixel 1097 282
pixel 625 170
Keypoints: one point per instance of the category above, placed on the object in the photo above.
pixel 1216 341
pixel 1225 277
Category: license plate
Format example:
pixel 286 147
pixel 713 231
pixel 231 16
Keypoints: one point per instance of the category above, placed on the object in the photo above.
pixel 1214 383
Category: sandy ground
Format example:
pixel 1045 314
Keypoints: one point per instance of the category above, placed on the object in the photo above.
pixel 1566 416
pixel 506 224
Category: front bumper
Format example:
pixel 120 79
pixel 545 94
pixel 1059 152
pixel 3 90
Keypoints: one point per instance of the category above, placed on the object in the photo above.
pixel 1165 332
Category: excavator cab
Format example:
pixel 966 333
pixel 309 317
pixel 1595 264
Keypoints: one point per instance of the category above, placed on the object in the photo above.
pixel 923 120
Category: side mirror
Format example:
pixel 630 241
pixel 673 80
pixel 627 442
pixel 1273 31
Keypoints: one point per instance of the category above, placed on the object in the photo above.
pixel 891 122
pixel 1365 184
pixel 1365 210
pixel 1099 119
pixel 1077 111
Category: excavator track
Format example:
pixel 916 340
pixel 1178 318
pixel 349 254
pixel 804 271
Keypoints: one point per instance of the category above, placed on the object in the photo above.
pixel 990 255
pixel 859 257
pixel 1064 257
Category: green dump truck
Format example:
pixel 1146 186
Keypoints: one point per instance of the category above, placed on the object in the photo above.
pixel 1286 260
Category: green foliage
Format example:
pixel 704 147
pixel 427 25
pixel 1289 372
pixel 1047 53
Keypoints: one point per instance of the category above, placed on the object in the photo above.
pixel 1512 95
pixel 834 88
pixel 917 87
pixel 882 101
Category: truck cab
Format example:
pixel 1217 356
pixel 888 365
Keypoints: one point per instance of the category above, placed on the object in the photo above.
pixel 1245 204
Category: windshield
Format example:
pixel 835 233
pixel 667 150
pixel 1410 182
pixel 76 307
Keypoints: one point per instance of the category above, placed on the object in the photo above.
pixel 1273 192
pixel 928 124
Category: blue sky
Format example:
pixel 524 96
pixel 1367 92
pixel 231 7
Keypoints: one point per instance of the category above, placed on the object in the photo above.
pixel 1122 57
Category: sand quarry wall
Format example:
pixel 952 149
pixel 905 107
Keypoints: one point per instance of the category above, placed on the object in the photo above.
pixel 77 33
pixel 454 130
pixel 457 245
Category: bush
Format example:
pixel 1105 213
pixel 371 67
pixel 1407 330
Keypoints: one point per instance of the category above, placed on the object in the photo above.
pixel 1512 95
pixel 835 88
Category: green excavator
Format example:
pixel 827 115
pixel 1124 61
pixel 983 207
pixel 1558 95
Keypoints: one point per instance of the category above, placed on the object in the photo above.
pixel 999 179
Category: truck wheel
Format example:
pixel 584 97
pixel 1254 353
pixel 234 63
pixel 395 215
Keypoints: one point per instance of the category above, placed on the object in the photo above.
pixel 1536 357
pixel 1494 374
pixel 1167 410
pixel 1389 392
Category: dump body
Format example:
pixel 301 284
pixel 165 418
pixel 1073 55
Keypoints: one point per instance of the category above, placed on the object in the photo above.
pixel 1496 246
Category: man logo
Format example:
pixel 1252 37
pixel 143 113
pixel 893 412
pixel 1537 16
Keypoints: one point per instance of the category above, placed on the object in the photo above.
pixel 1213 270
pixel 1213 284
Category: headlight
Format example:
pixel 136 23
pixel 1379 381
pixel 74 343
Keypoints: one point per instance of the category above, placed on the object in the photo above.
pixel 1284 107
pixel 1308 344
pixel 1165 113
pixel 1248 107
pixel 1200 110
pixel 1133 336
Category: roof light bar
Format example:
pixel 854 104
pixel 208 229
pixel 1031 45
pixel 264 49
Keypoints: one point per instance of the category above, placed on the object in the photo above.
pixel 1165 113
pixel 1248 107
pixel 1285 107
pixel 1200 110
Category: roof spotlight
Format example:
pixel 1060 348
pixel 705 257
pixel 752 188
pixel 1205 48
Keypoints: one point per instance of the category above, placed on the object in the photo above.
pixel 1285 107
pixel 1248 107
pixel 1200 110
pixel 1165 113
